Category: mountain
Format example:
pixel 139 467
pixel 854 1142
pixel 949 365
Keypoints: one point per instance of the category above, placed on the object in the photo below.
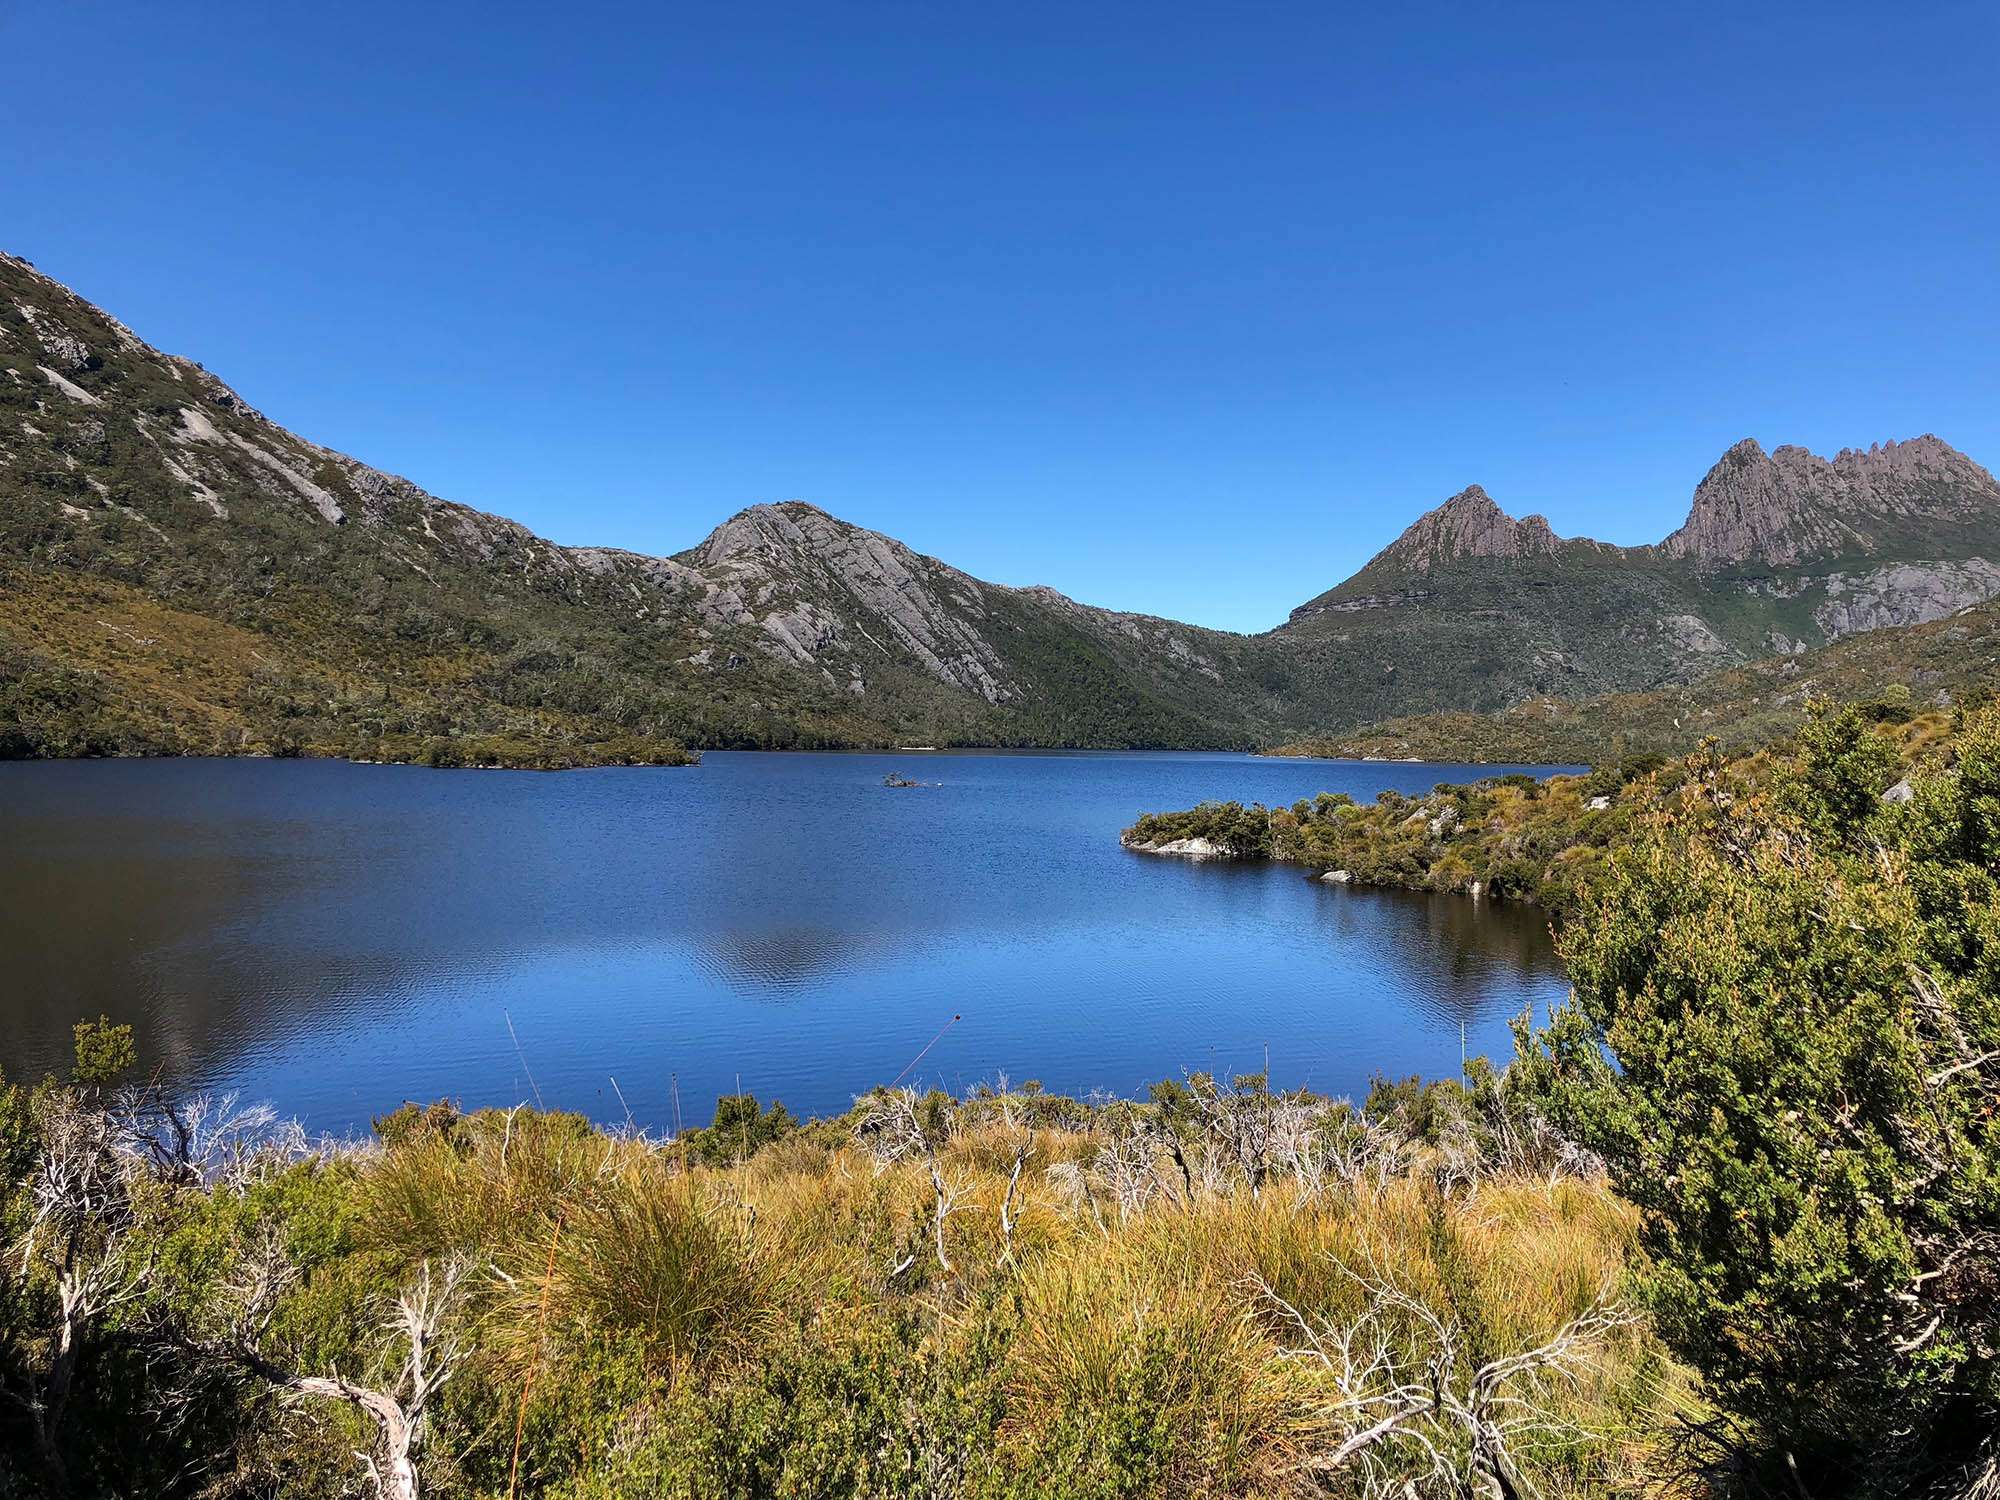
pixel 1901 670
pixel 184 574
pixel 1472 610
pixel 179 573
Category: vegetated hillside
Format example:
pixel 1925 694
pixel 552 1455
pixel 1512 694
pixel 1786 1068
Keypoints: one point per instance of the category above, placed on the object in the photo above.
pixel 1473 611
pixel 181 574
pixel 1513 836
pixel 178 573
pixel 1955 660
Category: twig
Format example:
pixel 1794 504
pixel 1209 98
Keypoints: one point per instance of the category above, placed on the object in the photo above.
pixel 524 1058
pixel 920 1056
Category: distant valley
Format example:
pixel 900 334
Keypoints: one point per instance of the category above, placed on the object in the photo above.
pixel 180 575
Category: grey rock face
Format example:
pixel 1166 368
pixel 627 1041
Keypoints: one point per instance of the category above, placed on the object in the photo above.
pixel 65 350
pixel 1904 594
pixel 932 611
pixel 1691 633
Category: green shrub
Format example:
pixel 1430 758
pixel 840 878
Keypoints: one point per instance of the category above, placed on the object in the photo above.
pixel 1786 1015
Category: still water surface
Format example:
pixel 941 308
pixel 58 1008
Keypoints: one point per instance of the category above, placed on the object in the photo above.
pixel 338 938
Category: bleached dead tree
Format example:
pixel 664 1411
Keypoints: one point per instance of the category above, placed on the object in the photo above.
pixel 397 1405
pixel 896 1125
pixel 1127 1167
pixel 78 1235
pixel 1405 1396
pixel 1023 1133
pixel 205 1140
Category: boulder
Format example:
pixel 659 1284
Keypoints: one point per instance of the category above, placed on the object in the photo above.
pixel 1902 791
pixel 1336 877
pixel 1186 848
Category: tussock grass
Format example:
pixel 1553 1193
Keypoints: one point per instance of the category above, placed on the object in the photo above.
pixel 656 1256
pixel 1141 1325
pixel 787 1324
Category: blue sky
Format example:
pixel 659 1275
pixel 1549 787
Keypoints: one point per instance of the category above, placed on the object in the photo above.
pixel 1180 308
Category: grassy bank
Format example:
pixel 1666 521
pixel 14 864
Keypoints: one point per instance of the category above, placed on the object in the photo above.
pixel 1216 1291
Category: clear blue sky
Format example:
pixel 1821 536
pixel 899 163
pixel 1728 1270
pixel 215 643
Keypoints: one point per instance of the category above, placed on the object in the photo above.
pixel 1176 307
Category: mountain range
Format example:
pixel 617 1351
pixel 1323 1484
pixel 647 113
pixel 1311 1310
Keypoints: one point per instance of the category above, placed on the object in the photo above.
pixel 178 573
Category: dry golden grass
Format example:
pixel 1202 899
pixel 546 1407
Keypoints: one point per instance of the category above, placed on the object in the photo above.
pixel 1183 1311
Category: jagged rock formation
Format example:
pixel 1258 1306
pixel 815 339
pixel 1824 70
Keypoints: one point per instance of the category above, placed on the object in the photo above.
pixel 180 568
pixel 1472 610
pixel 1789 506
pixel 1469 524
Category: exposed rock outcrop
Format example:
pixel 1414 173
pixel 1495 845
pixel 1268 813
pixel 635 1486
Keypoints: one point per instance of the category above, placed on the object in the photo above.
pixel 1904 594
pixel 932 611
pixel 1469 524
pixel 1196 848
pixel 1789 505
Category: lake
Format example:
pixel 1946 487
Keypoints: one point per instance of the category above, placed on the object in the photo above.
pixel 338 938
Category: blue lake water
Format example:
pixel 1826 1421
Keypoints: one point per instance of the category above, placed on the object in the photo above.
pixel 338 938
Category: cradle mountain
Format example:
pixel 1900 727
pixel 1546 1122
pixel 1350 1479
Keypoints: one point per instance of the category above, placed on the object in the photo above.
pixel 178 574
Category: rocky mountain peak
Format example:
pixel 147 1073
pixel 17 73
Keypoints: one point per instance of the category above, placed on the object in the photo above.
pixel 1469 524
pixel 1788 505
pixel 766 532
pixel 815 583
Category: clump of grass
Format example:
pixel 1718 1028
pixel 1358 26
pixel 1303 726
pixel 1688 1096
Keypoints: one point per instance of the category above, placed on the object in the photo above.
pixel 656 1258
pixel 1135 1345
pixel 480 1183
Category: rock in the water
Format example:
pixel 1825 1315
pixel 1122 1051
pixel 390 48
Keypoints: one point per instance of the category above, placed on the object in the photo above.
pixel 1186 848
pixel 1336 877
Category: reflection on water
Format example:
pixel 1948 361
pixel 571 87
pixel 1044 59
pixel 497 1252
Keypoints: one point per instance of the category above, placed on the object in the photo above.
pixel 339 937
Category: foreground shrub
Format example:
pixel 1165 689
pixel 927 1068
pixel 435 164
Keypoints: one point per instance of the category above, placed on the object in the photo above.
pixel 1785 1040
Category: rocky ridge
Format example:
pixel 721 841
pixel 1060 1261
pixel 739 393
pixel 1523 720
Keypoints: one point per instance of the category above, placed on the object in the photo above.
pixel 141 471
pixel 1789 506
pixel 784 615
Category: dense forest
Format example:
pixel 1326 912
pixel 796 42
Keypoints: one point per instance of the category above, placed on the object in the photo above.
pixel 1727 1224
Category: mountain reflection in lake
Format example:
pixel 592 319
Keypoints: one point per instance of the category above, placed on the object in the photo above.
pixel 338 938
